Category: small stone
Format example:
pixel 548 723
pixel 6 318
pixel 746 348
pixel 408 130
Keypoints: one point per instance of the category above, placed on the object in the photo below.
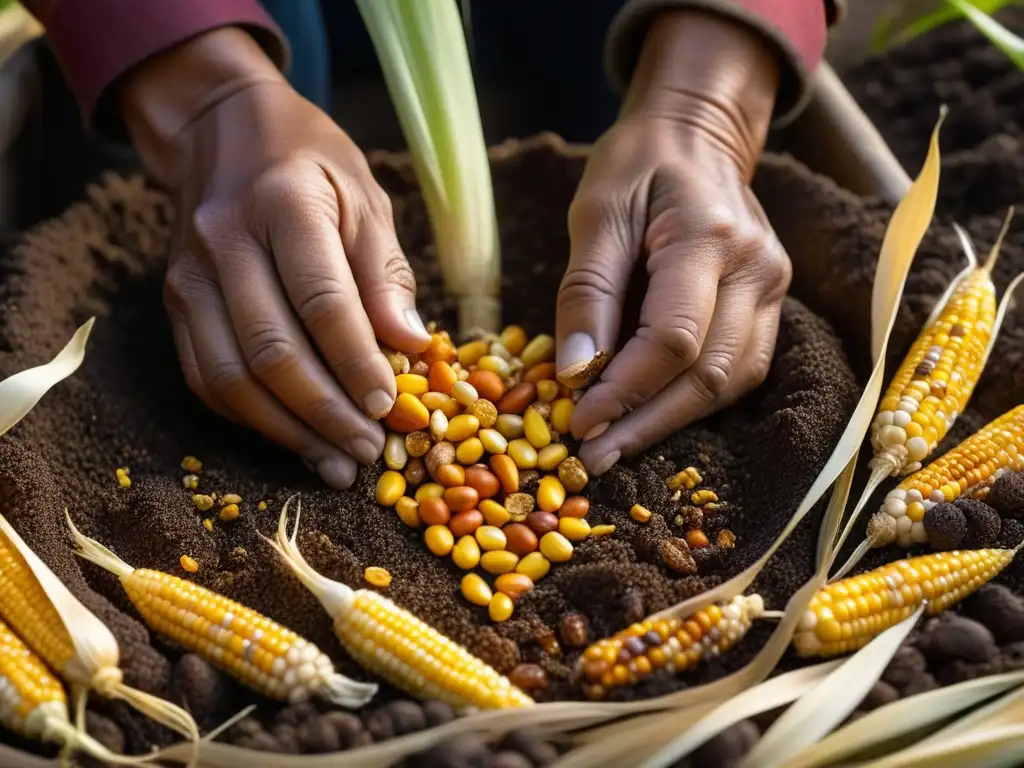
pixel 262 742
pixel 438 713
pixel 728 747
pixel 1007 495
pixel 956 637
pixel 407 716
pixel 983 523
pixel 346 725
pixel 380 726
pixel 906 664
pixel 574 629
pixel 105 731
pixel 528 677
pixel 531 744
pixel 676 554
pixel 461 751
pixel 881 693
pixel 287 737
pixel 691 517
pixel 202 689
pixel 1000 610
pixel 318 735
pixel 633 606
pixel 946 526
pixel 920 684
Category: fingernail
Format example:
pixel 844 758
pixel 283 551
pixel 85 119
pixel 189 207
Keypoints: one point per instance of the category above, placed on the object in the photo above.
pixel 597 431
pixel 337 471
pixel 577 348
pixel 605 463
pixel 378 403
pixel 363 450
pixel 412 317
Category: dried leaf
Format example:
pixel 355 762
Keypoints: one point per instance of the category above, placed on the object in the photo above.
pixel 999 747
pixel 20 393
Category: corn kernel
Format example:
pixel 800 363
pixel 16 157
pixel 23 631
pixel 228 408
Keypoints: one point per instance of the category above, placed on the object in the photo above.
pixel 469 451
pixel 493 441
pixel 540 349
pixel 491 538
pixel 439 540
pixel 640 513
pixel 441 377
pixel 703 497
pixel 485 411
pixel 464 393
pixel 122 477
pixel 550 493
pixel 561 415
pixel 418 443
pixel 188 564
pixel 378 577
pixel 408 414
pixel 262 506
pixel 555 547
pixel 202 501
pixel 498 561
pixel 229 512
pixel 466 554
pixel 192 464
pixel 395 454
pixel 500 607
pixel 208 525
pixel 429 491
pixel 534 565
pixel 574 528
pixel 602 530
pixel 513 338
pixel 495 365
pixel 523 453
pixel 390 488
pixel 573 474
pixel 408 511
pixel 190 482
pixel 475 589
pixel 550 456
pixel 411 383
pixel 547 390
pixel 509 425
pixel 471 352
pixel 461 428
pixel 438 425
pixel 536 428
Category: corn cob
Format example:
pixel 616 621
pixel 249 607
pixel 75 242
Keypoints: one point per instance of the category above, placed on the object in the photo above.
pixel 675 645
pixel 976 463
pixel 397 645
pixel 846 615
pixel 69 638
pixel 270 659
pixel 937 377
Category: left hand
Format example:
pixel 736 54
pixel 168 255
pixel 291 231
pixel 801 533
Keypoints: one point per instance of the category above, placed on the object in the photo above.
pixel 668 187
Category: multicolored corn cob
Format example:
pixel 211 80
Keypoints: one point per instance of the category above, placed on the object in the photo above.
pixel 846 615
pixel 398 646
pixel 256 650
pixel 975 463
pixel 675 645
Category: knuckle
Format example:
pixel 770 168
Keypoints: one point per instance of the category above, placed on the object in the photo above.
pixel 589 209
pixel 321 299
pixel 398 273
pixel 711 377
pixel 212 223
pixel 184 283
pixel 584 283
pixel 226 379
pixel 269 351
pixel 680 342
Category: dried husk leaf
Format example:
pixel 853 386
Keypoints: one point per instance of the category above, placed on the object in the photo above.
pixel 997 747
pixel 906 716
pixel 821 710
pixel 1005 710
pixel 20 392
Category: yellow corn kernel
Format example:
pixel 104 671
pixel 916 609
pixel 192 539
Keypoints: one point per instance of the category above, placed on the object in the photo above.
pixel 493 441
pixel 475 589
pixel 202 501
pixel 472 351
pixel 429 491
pixel 122 477
pixel 192 464
pixel 29 695
pixel 534 565
pixel 971 466
pixel 435 401
pixel 490 537
pixel 229 512
pixel 522 453
pixel 412 384
pixel 555 547
pixel 378 577
pixel 688 478
pixel 462 428
pixel 469 451
pixel 513 338
pixel 550 456
pixel 540 349
pixel 500 607
pixel 640 513
pixel 509 425
pixel 674 644
pixel 190 482
pixel 499 561
pixel 188 564
pixel 390 488
pixel 703 496
pixel 438 425
pixel 464 393
pixel 466 553
pixel 547 390
pixel 536 428
pixel 602 530
pixel 574 528
pixel 408 510
pixel 494 513
pixel 846 615
pixel 550 493
pixel 495 365
pixel 208 525
pixel 439 540
pixel 408 414
pixel 561 415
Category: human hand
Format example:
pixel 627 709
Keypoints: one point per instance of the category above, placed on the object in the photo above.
pixel 285 267
pixel 667 187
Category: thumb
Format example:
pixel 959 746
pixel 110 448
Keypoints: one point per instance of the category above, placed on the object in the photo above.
pixel 592 292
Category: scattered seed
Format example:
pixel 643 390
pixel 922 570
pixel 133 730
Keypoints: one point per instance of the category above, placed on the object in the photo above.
pixel 188 564
pixel 262 506
pixel 639 513
pixel 726 539
pixel 230 498
pixel 703 496
pixel 191 464
pixel 676 554
pixel 378 577
pixel 545 637
pixel 190 482
pixel 574 629
pixel 229 512
pixel 689 479
pixel 697 539
pixel 518 506
pixel 202 501
pixel 122 477
pixel 528 677
pixel 602 530
pixel 208 525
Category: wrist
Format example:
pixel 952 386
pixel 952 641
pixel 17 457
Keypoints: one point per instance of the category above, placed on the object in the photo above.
pixel 709 75
pixel 164 95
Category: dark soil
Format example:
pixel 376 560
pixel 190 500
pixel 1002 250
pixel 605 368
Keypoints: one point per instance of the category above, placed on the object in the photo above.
pixel 128 406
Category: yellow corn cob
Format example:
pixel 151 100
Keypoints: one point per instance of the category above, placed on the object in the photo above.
pixel 675 645
pixel 270 659
pixel 938 375
pixel 846 615
pixel 975 463
pixel 398 646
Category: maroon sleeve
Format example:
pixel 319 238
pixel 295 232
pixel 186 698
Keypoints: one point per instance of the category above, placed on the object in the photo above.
pixel 797 30
pixel 97 41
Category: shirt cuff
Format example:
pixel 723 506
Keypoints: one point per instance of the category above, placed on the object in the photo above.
pixel 796 29
pixel 97 41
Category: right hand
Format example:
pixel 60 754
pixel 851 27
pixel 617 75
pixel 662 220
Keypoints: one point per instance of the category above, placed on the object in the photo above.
pixel 284 270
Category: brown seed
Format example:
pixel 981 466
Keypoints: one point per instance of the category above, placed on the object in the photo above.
pixel 461 498
pixel 726 539
pixel 420 368
pixel 518 398
pixel 574 629
pixel 515 585
pixel 573 474
pixel 544 409
pixel 506 471
pixel 542 522
pixel 529 481
pixel 466 523
pixel 451 475
pixel 434 511
pixel 487 384
pixel 696 539
pixel 574 506
pixel 545 637
pixel 520 539
pixel 583 373
pixel 528 677
pixel 417 443
pixel 692 517
pixel 483 480
pixel 415 472
pixel 633 610
pixel 439 456
pixel 676 554
pixel 519 505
